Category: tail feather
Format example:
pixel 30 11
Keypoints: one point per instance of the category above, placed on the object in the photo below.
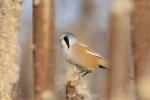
pixel 103 64
pixel 104 67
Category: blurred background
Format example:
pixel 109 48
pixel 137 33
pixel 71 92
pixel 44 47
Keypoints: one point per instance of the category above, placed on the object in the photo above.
pixel 116 29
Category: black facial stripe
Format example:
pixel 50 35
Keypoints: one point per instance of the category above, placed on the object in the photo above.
pixel 67 41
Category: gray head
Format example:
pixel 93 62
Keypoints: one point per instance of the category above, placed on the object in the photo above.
pixel 68 39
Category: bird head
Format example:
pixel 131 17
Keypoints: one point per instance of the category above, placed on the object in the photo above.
pixel 67 40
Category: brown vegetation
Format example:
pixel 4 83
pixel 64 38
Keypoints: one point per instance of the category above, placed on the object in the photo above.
pixel 9 52
pixel 76 87
pixel 43 38
pixel 119 51
pixel 128 50
pixel 140 22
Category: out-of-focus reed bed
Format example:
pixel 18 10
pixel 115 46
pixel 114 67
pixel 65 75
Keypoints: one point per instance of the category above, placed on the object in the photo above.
pixel 9 51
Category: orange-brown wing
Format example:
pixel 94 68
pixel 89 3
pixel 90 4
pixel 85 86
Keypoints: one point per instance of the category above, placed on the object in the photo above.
pixel 84 56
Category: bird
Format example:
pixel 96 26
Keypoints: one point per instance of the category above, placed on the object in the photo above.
pixel 81 55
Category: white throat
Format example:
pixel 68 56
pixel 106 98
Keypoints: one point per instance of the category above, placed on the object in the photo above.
pixel 72 41
pixel 65 48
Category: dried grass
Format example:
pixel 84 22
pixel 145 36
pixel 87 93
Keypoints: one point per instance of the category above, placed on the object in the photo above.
pixel 9 58
pixel 76 87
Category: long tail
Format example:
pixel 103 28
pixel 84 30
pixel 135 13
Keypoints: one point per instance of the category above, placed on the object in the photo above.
pixel 104 67
pixel 103 64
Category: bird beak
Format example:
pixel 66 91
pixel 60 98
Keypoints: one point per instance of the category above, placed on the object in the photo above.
pixel 60 39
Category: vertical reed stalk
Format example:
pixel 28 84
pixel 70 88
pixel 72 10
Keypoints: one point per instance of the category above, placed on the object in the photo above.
pixel 43 38
pixel 140 21
pixel 10 11
pixel 119 50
